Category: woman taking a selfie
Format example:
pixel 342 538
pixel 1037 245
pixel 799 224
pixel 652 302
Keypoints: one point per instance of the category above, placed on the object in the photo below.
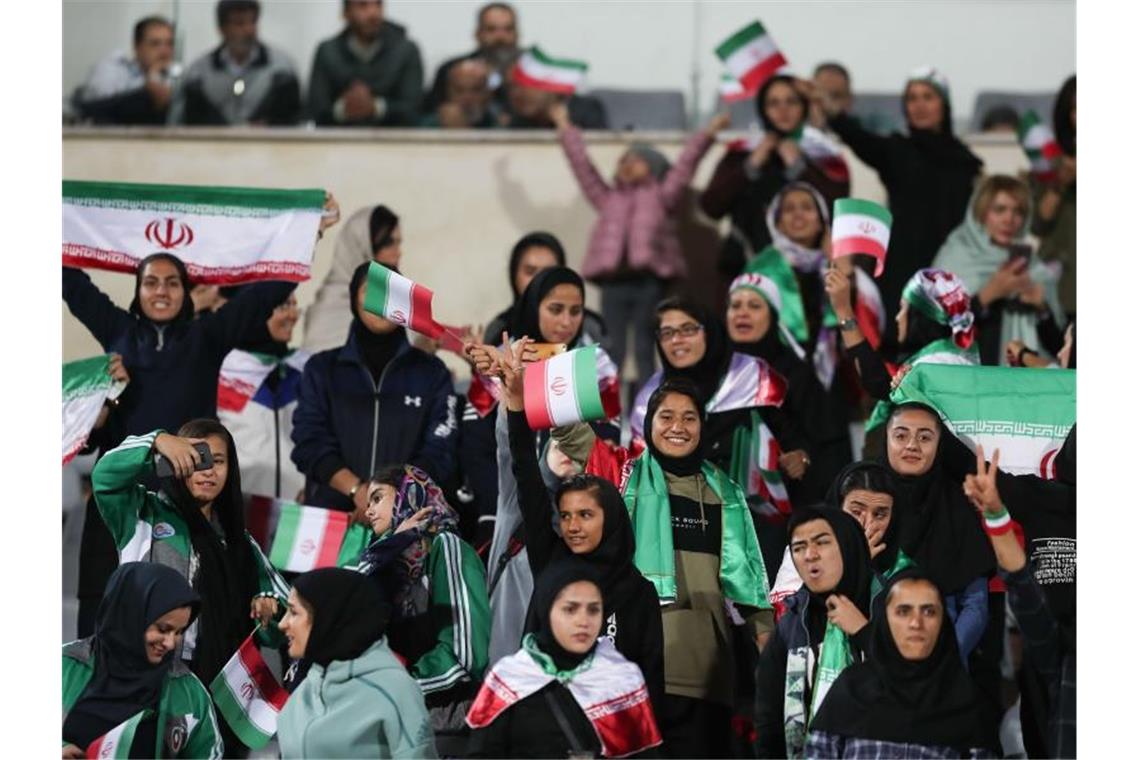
pixel 196 526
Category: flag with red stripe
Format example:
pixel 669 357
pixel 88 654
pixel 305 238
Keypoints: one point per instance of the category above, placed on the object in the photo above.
pixel 248 696
pixel 861 226
pixel 397 299
pixel 116 743
pixel 307 538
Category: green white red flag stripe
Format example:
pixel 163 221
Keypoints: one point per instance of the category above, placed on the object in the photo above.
pixel 262 513
pixel 751 56
pixel 861 226
pixel 764 478
pixel 483 393
pixel 241 375
pixel 224 235
pixel 116 743
pixel 396 298
pixel 749 382
pixel 86 385
pixel 248 696
pixel 1027 413
pixel 563 389
pixel 307 538
pixel 536 69
pixel 1039 144
pixel 731 91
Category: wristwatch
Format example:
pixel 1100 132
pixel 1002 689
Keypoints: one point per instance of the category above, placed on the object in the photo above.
pixel 848 325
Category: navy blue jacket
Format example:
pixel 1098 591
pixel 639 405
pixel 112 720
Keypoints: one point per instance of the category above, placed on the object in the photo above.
pixel 345 419
pixel 173 367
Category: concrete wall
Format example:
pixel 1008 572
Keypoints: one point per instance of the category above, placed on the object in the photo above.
pixel 463 198
pixel 980 45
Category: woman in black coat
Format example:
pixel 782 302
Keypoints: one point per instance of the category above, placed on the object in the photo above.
pixel 929 174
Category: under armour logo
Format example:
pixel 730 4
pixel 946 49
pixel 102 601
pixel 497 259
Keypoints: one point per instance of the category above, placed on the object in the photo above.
pixel 416 401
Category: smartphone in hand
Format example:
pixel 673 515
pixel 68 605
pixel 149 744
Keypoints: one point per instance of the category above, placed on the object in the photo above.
pixel 163 468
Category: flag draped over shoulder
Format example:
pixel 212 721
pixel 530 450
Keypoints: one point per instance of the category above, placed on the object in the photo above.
pixel 86 385
pixel 248 695
pixel 224 235
pixel 1027 413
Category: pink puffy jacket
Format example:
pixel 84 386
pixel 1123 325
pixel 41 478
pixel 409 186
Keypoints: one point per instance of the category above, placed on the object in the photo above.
pixel 641 213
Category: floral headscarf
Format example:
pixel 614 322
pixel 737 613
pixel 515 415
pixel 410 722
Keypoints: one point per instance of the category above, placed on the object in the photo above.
pixel 941 296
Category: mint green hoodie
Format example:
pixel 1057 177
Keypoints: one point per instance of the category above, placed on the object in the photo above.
pixel 367 707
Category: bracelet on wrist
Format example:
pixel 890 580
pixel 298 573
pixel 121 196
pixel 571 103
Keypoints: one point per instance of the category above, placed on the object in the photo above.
pixel 997 523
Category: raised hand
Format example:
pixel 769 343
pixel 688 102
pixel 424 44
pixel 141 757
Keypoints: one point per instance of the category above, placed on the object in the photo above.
pixel 181 453
pixel 981 488
pixel 842 612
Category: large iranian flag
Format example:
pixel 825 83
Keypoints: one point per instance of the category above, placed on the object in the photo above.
pixel 563 389
pixel 1027 413
pixel 751 56
pixel 393 296
pixel 116 743
pixel 86 385
pixel 225 235
pixel 861 226
pixel 248 696
pixel 538 70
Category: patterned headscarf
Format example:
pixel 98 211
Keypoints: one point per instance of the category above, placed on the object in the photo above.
pixel 416 491
pixel 932 77
pixel 768 290
pixel 941 296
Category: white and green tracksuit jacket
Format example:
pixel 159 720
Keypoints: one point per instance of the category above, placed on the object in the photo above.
pixel 147 526
pixel 452 603
pixel 187 725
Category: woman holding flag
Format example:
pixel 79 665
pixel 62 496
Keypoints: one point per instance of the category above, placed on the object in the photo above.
pixel 196 526
pixel 374 400
pixel 821 633
pixel 749 176
pixel 696 542
pixel 125 689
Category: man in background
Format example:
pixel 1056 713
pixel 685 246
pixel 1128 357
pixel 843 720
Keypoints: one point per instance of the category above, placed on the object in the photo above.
pixel 497 37
pixel 132 88
pixel 242 81
pixel 370 74
pixel 468 103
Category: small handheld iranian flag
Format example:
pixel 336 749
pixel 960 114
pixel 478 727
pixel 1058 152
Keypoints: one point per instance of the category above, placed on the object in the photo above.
pixel 396 298
pixel 307 538
pixel 861 226
pixel 1039 144
pixel 116 743
pixel 751 56
pixel 538 70
pixel 563 389
pixel 224 235
pixel 731 91
pixel 1027 413
pixel 86 385
pixel 248 696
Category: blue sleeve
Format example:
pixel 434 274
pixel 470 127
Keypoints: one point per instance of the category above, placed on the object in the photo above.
pixel 436 453
pixel 314 438
pixel 242 319
pixel 973 615
pixel 91 306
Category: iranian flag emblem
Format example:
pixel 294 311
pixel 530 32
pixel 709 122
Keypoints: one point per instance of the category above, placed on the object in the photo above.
pixel 751 56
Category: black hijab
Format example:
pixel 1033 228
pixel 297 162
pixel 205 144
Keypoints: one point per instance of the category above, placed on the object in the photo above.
pixel 348 613
pixel 381 224
pixel 524 314
pixel 124 681
pixel 855 583
pixel 186 313
pixel 227 577
pixel 525 243
pixel 558 575
pixel 762 94
pixel 707 373
pixel 612 560
pixel 265 344
pixel 888 698
pixel 376 349
pixel 938 527
pixel 1063 127
pixel 874 477
pixel 681 466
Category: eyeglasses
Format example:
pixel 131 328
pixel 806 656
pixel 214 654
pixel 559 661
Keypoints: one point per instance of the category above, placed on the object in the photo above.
pixel 687 330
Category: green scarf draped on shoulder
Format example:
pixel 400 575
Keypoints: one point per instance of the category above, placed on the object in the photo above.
pixel 743 578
